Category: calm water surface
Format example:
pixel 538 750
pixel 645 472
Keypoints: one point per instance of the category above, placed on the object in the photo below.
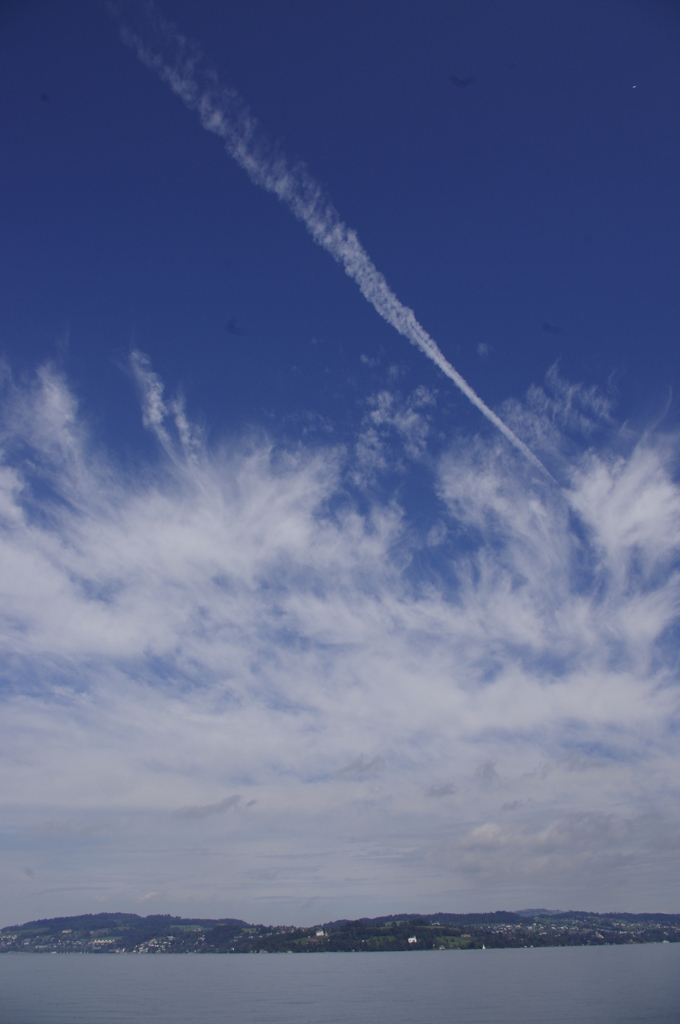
pixel 612 984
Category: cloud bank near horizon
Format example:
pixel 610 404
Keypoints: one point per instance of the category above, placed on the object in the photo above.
pixel 241 677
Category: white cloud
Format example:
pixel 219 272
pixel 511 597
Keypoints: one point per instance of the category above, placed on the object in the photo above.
pixel 390 415
pixel 228 621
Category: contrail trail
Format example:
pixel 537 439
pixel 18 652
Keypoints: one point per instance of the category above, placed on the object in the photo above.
pixel 223 112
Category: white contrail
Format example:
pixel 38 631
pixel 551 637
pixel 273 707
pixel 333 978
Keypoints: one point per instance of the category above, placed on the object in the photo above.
pixel 223 112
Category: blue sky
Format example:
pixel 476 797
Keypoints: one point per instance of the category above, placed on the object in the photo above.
pixel 291 630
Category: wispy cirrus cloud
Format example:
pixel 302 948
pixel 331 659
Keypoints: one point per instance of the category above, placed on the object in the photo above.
pixel 243 618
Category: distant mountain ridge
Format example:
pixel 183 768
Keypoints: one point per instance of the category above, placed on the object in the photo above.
pixel 163 933
pixel 116 919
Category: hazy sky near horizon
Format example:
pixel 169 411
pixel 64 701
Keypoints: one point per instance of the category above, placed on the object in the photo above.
pixel 291 630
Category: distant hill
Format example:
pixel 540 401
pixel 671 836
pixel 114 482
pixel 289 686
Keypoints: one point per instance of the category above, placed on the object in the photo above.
pixel 162 933
pixel 122 921
pixel 538 912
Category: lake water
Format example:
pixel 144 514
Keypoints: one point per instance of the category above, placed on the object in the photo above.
pixel 582 985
